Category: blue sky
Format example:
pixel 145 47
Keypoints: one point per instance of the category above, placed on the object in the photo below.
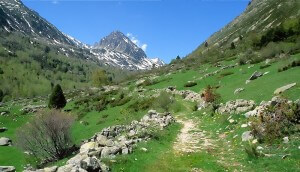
pixel 164 28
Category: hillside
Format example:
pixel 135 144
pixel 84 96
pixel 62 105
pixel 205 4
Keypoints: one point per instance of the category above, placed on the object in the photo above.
pixel 258 17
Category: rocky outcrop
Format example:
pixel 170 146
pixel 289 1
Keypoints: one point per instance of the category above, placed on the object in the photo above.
pixel 284 88
pixel 112 141
pixel 236 107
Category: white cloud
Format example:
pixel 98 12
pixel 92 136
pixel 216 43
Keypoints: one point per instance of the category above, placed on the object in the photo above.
pixel 133 38
pixel 144 47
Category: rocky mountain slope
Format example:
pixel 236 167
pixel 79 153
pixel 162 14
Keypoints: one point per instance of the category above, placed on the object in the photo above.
pixel 16 17
pixel 259 16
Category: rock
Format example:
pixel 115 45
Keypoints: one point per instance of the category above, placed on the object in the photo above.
pixel 152 112
pixel 5 141
pixel 246 136
pixel 32 108
pixel 284 88
pixel 77 159
pixel 103 141
pixel 238 90
pixel 171 88
pixel 244 125
pixel 259 148
pixel 125 151
pixel 3 113
pixel 87 146
pixel 236 107
pixel 255 75
pixel 285 139
pixel 3 129
pixel 231 121
pixel 90 164
pixel 51 169
pixel 254 141
pixel 7 169
pixel 144 149
pixel 108 151
pixel 247 81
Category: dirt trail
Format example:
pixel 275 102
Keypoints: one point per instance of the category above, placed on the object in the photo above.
pixel 191 138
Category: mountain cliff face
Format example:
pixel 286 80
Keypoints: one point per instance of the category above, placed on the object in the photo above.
pixel 114 50
pixel 259 16
pixel 118 50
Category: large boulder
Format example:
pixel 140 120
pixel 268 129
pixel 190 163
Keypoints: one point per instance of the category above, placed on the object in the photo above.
pixel 284 88
pixel 7 169
pixel 255 75
pixel 5 141
pixel 110 151
pixel 88 146
pixel 90 164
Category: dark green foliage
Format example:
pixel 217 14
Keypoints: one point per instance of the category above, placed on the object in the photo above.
pixel 295 63
pixel 232 46
pixel 164 101
pixel 276 122
pixel 223 74
pixel 252 152
pixel 121 100
pixel 206 44
pixel 47 49
pixel 242 61
pixel 190 84
pixel 141 105
pixel 57 99
pixel 1 71
pixel 264 66
pixel 1 95
pixel 178 57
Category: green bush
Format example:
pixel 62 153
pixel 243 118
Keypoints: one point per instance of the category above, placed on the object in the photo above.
pixel 264 66
pixel 223 74
pixel 190 84
pixel 141 105
pixel 1 95
pixel 57 99
pixel 164 101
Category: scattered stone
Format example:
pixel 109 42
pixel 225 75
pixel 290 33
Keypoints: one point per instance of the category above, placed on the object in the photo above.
pixel 259 148
pixel 7 169
pixel 266 73
pixel 284 88
pixel 5 141
pixel 285 139
pixel 255 75
pixel 231 121
pixel 144 149
pixel 247 81
pixel 246 136
pixel 238 90
pixel 3 129
pixel 244 125
pixel 3 113
pixel 254 141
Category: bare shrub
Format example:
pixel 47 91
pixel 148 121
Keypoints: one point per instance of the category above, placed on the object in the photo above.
pixel 47 136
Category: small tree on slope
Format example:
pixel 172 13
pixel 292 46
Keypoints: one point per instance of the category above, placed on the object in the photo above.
pixel 57 99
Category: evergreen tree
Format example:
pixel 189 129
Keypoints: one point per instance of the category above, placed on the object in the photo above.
pixel 1 95
pixel 178 57
pixel 206 44
pixel 57 99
